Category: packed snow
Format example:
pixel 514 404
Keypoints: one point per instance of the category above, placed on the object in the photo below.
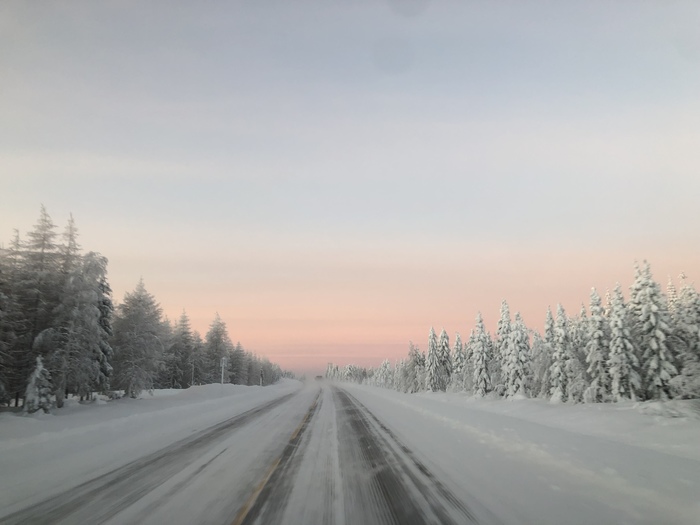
pixel 512 462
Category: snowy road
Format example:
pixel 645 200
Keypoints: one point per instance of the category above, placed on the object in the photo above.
pixel 342 455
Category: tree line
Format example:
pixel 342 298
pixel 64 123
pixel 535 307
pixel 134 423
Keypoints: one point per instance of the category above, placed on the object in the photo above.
pixel 643 348
pixel 60 332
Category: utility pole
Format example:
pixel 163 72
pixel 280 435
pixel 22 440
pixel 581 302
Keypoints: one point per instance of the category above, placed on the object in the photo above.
pixel 223 364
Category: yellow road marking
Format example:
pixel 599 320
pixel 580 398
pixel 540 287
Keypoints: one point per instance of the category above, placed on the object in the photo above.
pixel 245 509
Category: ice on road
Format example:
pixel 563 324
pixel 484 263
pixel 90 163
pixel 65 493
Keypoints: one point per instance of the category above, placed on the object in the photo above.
pixel 325 453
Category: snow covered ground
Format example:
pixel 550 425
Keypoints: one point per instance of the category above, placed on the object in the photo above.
pixel 42 455
pixel 534 462
pixel 345 453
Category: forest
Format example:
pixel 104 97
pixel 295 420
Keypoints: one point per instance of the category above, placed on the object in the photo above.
pixel 646 347
pixel 62 334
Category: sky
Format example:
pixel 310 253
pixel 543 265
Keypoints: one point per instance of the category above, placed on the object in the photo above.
pixel 334 178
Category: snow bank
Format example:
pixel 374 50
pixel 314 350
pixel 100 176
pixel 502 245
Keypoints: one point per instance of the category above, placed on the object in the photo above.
pixel 672 427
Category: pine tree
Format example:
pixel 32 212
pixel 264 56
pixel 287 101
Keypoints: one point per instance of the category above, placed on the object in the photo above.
pixel 597 352
pixel 415 369
pixel 38 395
pixel 38 286
pixel 79 350
pixel 576 368
pixel 218 345
pixel 480 357
pixel 466 382
pixel 457 357
pixel 557 373
pixel 687 331
pixel 239 365
pixel 622 360
pixel 501 349
pixel 253 370
pixel 433 379
pixel 384 376
pixel 543 351
pixel 517 360
pixel 671 297
pixel 653 331
pixel 541 362
pixel 137 343
pixel 445 360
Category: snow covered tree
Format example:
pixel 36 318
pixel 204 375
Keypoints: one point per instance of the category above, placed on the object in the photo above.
pixel 671 297
pixel 457 357
pixel 197 363
pixel 597 352
pixel 445 360
pixel 557 374
pixel 500 349
pixel 433 379
pixel 687 331
pixel 576 369
pixel 540 363
pixel 516 359
pixel 12 350
pixel 38 286
pixel 464 382
pixel 415 369
pixel 384 376
pixel 653 331
pixel 80 351
pixel 542 352
pixel 239 365
pixel 177 371
pixel 217 345
pixel 38 395
pixel 137 342
pixel 480 356
pixel 622 359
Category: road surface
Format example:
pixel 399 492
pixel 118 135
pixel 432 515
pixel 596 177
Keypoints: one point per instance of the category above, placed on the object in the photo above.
pixel 321 455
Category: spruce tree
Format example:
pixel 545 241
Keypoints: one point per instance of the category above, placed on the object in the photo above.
pixel 687 331
pixel 543 355
pixel 576 369
pixel 415 369
pixel 457 357
pixel 137 342
pixel 480 357
pixel 239 365
pixel 38 395
pixel 622 360
pixel 653 331
pixel 433 365
pixel 597 352
pixel 466 383
pixel 517 359
pixel 557 374
pixel 38 286
pixel 541 362
pixel 445 360
pixel 499 355
pixel 218 345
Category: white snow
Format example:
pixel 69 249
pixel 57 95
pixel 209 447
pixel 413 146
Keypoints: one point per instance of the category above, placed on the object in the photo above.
pixel 526 461
pixel 44 454
pixel 533 462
